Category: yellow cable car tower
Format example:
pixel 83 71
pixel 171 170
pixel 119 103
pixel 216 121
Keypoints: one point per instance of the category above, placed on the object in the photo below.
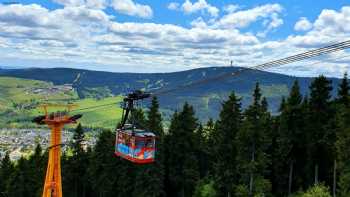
pixel 55 121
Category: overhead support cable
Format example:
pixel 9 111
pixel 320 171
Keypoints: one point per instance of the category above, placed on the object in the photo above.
pixel 276 63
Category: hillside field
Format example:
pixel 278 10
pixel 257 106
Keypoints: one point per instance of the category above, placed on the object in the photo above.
pixel 20 100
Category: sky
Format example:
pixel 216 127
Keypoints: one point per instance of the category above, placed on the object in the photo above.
pixel 173 35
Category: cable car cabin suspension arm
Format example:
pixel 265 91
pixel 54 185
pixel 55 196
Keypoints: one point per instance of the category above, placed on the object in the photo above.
pixel 129 102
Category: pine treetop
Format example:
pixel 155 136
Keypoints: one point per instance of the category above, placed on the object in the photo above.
pixel 295 97
pixel 154 118
pixel 257 95
pixel 343 91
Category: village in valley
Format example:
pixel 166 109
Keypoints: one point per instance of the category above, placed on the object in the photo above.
pixel 22 142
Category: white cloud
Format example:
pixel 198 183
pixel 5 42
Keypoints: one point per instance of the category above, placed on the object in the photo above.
pixel 98 4
pixel 70 34
pixel 70 2
pixel 173 6
pixel 70 25
pixel 231 8
pixel 303 24
pixel 83 35
pixel 333 21
pixel 82 14
pixel 244 18
pixel 199 23
pixel 275 22
pixel 270 26
pixel 330 26
pixel 312 40
pixel 27 15
pixel 131 8
pixel 200 6
pixel 179 36
pixel 94 4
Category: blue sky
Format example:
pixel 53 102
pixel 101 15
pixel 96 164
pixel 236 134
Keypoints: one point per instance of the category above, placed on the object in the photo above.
pixel 172 35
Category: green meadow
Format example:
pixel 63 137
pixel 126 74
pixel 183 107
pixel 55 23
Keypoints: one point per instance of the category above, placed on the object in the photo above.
pixel 20 101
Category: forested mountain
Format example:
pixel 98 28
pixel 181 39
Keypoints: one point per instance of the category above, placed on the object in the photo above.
pixel 301 152
pixel 206 98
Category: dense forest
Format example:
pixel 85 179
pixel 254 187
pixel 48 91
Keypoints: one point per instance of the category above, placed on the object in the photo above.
pixel 303 151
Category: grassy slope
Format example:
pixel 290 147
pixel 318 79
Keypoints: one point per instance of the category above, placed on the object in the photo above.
pixel 107 116
pixel 15 90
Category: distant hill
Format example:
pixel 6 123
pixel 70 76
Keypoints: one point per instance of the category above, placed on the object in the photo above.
pixel 206 98
pixel 9 67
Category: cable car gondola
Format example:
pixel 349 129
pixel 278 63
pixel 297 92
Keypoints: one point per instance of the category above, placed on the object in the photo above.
pixel 134 144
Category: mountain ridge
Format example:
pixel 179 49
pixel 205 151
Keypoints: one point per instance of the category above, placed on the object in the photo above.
pixel 206 98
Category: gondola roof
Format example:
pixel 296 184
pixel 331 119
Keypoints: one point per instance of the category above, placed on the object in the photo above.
pixel 138 132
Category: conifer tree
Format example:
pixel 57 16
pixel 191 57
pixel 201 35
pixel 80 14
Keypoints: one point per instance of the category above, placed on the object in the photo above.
pixel 209 150
pixel 202 151
pixel 37 168
pixel 75 173
pixel 224 146
pixel 115 175
pixel 205 188
pixel 168 141
pixel 275 165
pixel 109 175
pixel 209 128
pixel 27 176
pixel 78 139
pixel 154 118
pixel 282 105
pixel 264 105
pixel 150 178
pixel 182 161
pixel 253 140
pixel 292 139
pixel 18 184
pixel 344 91
pixel 278 165
pixel 6 171
pixel 321 134
pixel 343 151
pixel 137 118
pixel 343 137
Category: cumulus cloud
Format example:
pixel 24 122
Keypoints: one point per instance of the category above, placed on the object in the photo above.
pixel 70 34
pixel 244 18
pixel 129 7
pixel 332 21
pixel 275 22
pixel 70 2
pixel 25 15
pixel 68 27
pixel 173 6
pixel 231 8
pixel 303 24
pixel 200 6
pixel 95 4
pixel 199 23
pixel 78 34
pixel 271 25
pixel 330 26
pixel 179 35
pixel 81 14
pixel 99 4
